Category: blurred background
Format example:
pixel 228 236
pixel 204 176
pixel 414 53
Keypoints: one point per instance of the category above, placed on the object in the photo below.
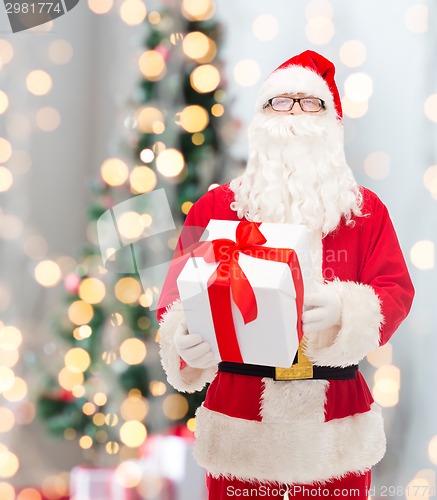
pixel 118 98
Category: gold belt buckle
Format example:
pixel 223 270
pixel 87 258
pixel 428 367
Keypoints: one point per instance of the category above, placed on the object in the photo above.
pixel 303 369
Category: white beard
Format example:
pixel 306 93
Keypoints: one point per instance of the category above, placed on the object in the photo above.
pixel 296 173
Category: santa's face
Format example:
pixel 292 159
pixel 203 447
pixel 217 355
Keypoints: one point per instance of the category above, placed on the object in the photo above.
pixel 297 171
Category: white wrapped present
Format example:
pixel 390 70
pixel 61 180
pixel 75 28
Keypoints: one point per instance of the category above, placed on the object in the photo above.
pixel 170 471
pixel 98 483
pixel 259 324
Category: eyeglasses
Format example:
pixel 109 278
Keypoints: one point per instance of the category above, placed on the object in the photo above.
pixel 307 104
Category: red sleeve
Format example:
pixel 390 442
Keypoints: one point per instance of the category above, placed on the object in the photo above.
pixel 385 270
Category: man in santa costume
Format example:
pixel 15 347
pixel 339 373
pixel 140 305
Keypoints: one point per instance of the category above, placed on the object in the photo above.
pixel 319 436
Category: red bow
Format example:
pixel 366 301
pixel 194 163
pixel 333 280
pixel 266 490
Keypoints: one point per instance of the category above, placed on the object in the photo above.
pixel 229 278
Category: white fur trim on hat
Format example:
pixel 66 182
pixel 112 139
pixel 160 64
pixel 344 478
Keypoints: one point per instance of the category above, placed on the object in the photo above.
pixel 188 379
pixel 303 451
pixel 359 333
pixel 294 79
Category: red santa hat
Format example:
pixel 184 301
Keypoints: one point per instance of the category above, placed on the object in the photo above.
pixel 308 72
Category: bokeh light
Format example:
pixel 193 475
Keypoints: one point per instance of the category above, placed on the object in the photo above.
pixel 430 107
pixel 192 119
pixel 422 255
pixel 100 399
pixel 100 6
pixel 82 332
pixel 353 53
pixel 199 47
pixel 319 30
pixel 133 12
pixel 129 474
pixel 7 378
pixel 142 179
pixel 133 351
pixel 432 450
pixel 127 290
pixel 170 162
pixel 416 18
pixel 191 424
pixel 10 338
pixel 359 87
pixel 130 224
pixel 47 273
pixel 20 161
pixel 157 388
pixel 147 155
pixel 205 78
pixel 387 384
pixel 6 51
pixel 186 207
pixel 17 392
pixel 152 65
pixel 198 10
pixel 265 27
pixel 134 408
pixel 154 17
pixel 5 150
pixel 48 119
pixel 6 179
pixel 9 464
pixel 11 226
pixel 147 119
pixel 18 125
pixel 4 102
pixel 9 358
pixel 55 487
pixel 319 8
pixel 80 312
pixel 114 171
pixel 77 360
pixel 377 165
pixel 7 420
pixel 430 180
pixel 247 72
pixel 92 290
pixel 7 491
pixel 133 433
pixel 69 380
pixel 60 51
pixel 39 82
pixel 175 406
pixel 85 442
pixel 381 356
pixel 217 110
pixel 354 109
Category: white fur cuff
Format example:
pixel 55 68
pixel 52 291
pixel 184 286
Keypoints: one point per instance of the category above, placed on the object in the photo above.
pixel 188 379
pixel 360 330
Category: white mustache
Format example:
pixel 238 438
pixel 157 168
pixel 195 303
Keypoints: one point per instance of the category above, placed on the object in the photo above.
pixel 289 126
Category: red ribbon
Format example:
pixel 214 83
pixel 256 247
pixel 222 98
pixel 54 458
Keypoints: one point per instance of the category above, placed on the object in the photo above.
pixel 229 278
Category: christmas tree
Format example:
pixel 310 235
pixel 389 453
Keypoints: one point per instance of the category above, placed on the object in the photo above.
pixel 110 392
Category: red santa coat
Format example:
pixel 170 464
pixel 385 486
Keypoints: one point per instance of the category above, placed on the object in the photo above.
pixel 301 431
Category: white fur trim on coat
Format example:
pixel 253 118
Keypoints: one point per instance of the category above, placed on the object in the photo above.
pixel 303 451
pixel 292 80
pixel 188 379
pixel 359 332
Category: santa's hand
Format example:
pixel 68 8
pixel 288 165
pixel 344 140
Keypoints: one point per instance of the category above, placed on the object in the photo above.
pixel 193 349
pixel 323 310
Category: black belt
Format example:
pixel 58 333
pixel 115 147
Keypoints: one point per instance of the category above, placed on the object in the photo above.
pixel 317 372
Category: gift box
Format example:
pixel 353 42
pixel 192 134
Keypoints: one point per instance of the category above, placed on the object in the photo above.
pixel 169 469
pixel 98 483
pixel 242 290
